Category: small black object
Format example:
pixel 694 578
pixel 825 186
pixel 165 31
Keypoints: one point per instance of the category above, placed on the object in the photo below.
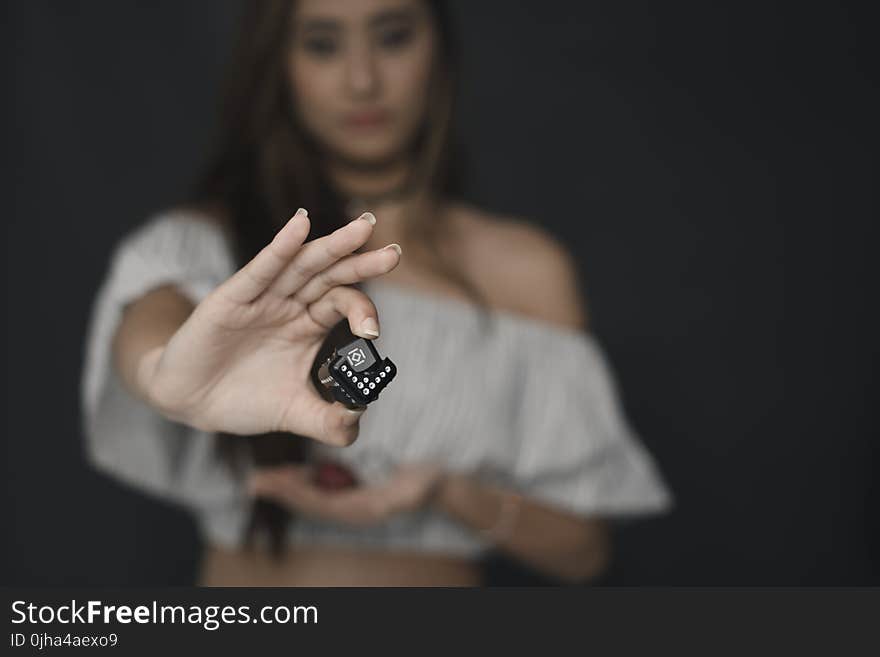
pixel 356 373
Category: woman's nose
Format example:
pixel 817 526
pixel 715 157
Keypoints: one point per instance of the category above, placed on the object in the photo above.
pixel 362 78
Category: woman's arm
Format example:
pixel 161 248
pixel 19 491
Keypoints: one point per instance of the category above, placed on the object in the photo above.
pixel 145 328
pixel 557 543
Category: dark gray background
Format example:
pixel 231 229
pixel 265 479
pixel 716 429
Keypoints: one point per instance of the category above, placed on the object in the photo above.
pixel 711 166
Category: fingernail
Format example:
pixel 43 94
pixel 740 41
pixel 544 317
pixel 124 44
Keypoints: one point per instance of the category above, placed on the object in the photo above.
pixel 369 216
pixel 302 211
pixel 357 411
pixel 396 247
pixel 370 326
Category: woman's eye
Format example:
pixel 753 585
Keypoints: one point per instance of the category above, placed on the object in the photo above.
pixel 323 47
pixel 396 38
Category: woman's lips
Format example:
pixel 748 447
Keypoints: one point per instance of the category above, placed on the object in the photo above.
pixel 370 119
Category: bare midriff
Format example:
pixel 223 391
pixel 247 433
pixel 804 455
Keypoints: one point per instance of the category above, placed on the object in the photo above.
pixel 334 566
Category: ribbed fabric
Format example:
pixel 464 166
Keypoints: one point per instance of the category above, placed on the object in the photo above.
pixel 520 402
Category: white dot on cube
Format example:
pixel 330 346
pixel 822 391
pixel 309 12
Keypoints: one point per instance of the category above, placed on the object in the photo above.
pixel 382 374
pixel 388 368
pixel 343 368
pixel 348 374
pixel 372 385
pixel 360 384
pixel 366 391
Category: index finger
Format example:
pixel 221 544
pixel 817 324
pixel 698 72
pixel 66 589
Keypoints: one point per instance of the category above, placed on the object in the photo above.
pixel 257 276
pixel 323 252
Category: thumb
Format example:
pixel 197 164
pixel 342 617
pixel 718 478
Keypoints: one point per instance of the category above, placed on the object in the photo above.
pixel 331 423
pixel 342 424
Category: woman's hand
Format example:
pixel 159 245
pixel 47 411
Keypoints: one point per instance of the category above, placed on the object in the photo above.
pixel 241 361
pixel 411 488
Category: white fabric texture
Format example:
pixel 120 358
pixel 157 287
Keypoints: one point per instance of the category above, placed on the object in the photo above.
pixel 524 403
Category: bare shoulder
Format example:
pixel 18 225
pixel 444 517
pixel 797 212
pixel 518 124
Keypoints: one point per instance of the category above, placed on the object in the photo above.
pixel 521 267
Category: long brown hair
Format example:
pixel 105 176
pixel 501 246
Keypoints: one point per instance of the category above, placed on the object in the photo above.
pixel 266 166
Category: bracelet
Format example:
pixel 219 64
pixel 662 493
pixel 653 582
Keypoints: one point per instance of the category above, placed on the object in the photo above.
pixel 506 519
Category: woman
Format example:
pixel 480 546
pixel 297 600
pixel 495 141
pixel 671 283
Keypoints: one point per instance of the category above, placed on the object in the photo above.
pixel 502 429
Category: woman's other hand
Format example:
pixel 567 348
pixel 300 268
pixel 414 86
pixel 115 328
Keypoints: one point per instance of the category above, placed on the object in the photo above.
pixel 412 487
pixel 241 361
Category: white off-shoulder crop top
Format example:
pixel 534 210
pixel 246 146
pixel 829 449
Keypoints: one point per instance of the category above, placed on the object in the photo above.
pixel 528 404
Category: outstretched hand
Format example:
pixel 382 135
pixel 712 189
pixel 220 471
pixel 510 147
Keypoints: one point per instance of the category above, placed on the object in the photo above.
pixel 241 362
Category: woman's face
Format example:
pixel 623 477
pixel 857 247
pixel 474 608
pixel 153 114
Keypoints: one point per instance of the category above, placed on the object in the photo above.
pixel 359 72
